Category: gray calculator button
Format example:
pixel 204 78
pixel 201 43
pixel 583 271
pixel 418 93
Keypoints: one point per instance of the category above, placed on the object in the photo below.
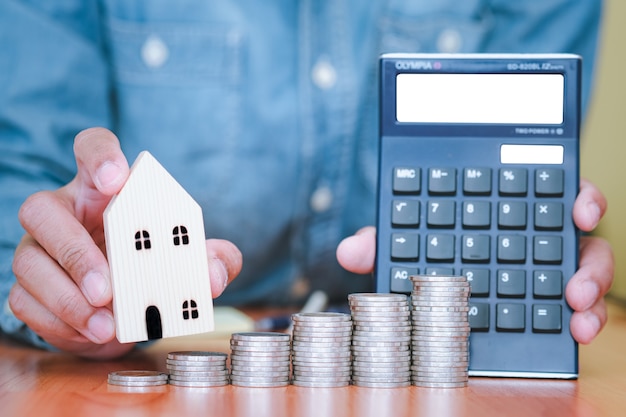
pixel 513 181
pixel 511 283
pixel 510 317
pixel 477 181
pixel 439 271
pixel 548 216
pixel 405 246
pixel 476 214
pixel 475 248
pixel 547 318
pixel 479 316
pixel 549 182
pixel 479 281
pixel 512 215
pixel 406 180
pixel 442 180
pixel 405 213
pixel 548 284
pixel 441 213
pixel 440 248
pixel 401 279
pixel 511 248
pixel 547 249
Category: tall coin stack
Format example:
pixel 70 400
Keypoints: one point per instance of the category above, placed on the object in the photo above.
pixel 441 330
pixel 381 340
pixel 197 368
pixel 260 359
pixel 321 349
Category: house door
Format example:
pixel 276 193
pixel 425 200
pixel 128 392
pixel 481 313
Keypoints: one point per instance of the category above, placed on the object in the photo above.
pixel 153 323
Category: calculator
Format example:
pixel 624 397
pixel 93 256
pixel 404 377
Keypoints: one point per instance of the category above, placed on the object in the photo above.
pixel 478 173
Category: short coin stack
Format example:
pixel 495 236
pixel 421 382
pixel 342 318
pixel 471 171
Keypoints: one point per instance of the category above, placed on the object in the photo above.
pixel 321 349
pixel 260 359
pixel 137 378
pixel 381 340
pixel 441 331
pixel 197 368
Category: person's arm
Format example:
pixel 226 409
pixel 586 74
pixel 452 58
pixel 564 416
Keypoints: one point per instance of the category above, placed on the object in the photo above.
pixel 53 83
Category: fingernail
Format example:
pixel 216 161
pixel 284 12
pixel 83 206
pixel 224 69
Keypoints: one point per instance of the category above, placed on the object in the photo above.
pixel 94 286
pixel 594 212
pixel 219 273
pixel 107 175
pixel 591 291
pixel 101 327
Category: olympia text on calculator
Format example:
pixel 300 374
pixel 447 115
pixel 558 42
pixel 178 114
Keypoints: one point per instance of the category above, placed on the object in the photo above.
pixel 478 173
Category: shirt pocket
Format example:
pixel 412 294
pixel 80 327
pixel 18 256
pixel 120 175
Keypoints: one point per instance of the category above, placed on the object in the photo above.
pixel 177 91
pixel 429 27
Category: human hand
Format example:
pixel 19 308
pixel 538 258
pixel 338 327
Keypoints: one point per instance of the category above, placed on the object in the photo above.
pixel 63 290
pixel 585 291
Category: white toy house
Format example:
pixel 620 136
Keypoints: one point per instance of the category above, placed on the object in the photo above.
pixel 157 255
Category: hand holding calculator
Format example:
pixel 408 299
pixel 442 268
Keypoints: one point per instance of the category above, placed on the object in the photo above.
pixel 479 170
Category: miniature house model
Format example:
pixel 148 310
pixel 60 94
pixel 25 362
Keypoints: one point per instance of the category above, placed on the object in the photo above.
pixel 157 254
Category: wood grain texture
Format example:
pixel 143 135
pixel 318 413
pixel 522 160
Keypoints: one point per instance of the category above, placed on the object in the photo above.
pixel 38 383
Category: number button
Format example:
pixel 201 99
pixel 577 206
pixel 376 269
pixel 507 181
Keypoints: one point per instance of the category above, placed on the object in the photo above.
pixel 478 316
pixel 511 283
pixel 479 281
pixel 440 248
pixel 441 213
pixel 475 248
pixel 511 248
pixel 476 214
pixel 512 215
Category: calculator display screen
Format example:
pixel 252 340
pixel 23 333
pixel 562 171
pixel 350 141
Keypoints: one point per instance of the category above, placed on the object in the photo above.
pixel 480 98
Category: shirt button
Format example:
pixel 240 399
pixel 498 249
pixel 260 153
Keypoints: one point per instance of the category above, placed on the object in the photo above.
pixel 323 74
pixel 449 41
pixel 321 199
pixel 154 52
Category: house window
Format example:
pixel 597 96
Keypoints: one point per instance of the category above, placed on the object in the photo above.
pixel 142 240
pixel 180 236
pixel 190 309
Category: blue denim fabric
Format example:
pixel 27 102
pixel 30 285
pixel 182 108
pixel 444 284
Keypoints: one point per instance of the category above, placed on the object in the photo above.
pixel 265 111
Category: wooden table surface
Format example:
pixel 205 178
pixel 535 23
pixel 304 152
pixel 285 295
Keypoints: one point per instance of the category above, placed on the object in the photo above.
pixel 38 383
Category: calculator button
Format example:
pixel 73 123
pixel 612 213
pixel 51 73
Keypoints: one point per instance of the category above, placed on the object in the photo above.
pixel 442 180
pixel 549 182
pixel 547 284
pixel 401 279
pixel 477 181
pixel 548 216
pixel 547 249
pixel 405 246
pixel 479 281
pixel 511 283
pixel 478 316
pixel 547 318
pixel 476 214
pixel 441 213
pixel 475 248
pixel 406 180
pixel 440 248
pixel 439 271
pixel 513 181
pixel 405 213
pixel 512 215
pixel 510 317
pixel 511 248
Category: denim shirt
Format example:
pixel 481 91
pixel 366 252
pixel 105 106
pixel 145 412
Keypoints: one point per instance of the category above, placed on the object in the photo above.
pixel 265 111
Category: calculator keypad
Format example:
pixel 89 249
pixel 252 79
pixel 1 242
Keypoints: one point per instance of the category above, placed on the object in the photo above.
pixel 481 223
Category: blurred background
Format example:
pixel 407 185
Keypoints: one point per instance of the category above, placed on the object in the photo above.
pixel 603 147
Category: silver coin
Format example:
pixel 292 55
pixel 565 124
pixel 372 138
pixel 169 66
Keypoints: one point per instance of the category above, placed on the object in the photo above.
pixel 329 339
pixel 313 344
pixel 385 328
pixel 439 379
pixel 384 297
pixel 260 360
pixel 183 374
pixel 196 364
pixel 298 369
pixel 137 376
pixel 257 343
pixel 317 374
pixel 200 356
pixel 365 361
pixel 137 383
pixel 357 380
pixel 381 374
pixel 261 336
pixel 457 325
pixel 256 369
pixel 200 384
pixel 382 384
pixel 322 327
pixel 318 384
pixel 377 304
pixel 260 349
pixel 321 316
pixel 315 333
pixel 440 384
pixel 383 308
pixel 277 374
pixel 205 379
pixel 318 361
pixel 259 381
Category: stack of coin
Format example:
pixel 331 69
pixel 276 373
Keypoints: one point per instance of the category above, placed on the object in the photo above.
pixel 260 359
pixel 440 331
pixel 381 340
pixel 197 368
pixel 321 349
pixel 137 378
